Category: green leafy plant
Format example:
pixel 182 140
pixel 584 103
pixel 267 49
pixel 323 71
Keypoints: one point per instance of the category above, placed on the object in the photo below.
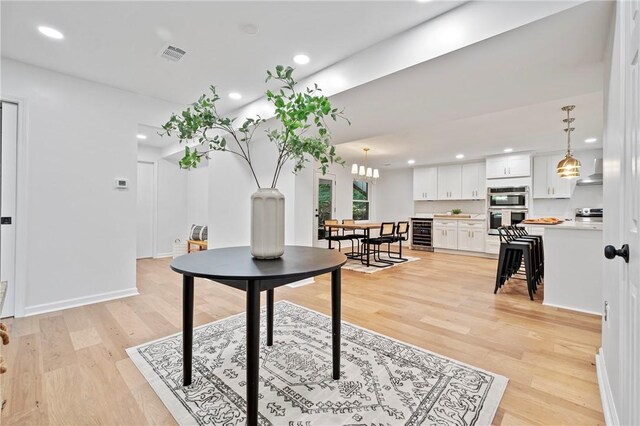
pixel 456 211
pixel 303 130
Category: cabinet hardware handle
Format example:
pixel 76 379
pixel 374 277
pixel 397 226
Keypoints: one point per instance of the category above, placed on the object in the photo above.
pixel 509 168
pixel 505 171
pixel 553 190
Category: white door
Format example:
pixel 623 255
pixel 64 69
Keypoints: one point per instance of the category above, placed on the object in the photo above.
pixel 621 325
pixel 631 217
pixel 324 205
pixel 9 128
pixel 145 207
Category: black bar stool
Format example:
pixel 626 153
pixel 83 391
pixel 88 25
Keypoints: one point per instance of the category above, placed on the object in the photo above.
pixel 513 253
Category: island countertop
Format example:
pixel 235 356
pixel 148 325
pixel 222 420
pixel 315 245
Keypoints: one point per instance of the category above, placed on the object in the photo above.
pixel 569 225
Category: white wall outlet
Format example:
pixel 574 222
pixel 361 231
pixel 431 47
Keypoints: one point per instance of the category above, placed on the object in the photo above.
pixel 121 183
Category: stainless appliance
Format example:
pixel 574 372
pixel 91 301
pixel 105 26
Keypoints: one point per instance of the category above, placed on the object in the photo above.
pixel 587 214
pixel 504 217
pixel 595 178
pixel 509 197
pixel 421 234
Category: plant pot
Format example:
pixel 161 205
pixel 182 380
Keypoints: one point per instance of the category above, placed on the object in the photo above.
pixel 267 224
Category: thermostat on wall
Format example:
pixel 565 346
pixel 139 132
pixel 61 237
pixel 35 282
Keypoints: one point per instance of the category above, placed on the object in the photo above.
pixel 122 183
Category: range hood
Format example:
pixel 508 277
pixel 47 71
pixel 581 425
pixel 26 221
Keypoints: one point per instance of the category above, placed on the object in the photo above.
pixel 595 178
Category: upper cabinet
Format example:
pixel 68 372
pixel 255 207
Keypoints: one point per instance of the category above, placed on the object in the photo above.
pixel 509 166
pixel 546 182
pixel 474 184
pixel 425 183
pixel 450 182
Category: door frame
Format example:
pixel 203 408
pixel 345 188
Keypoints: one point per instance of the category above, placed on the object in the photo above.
pixel 316 180
pixel 22 204
pixel 154 204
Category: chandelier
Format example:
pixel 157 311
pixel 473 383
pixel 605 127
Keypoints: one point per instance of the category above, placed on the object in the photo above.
pixel 364 172
pixel 568 167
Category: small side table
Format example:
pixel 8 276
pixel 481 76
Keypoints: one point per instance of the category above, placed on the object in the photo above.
pixel 235 267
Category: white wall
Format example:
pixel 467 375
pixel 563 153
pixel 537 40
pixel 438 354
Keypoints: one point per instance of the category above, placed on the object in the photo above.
pixel 172 206
pixel 394 192
pixel 198 196
pixel 77 233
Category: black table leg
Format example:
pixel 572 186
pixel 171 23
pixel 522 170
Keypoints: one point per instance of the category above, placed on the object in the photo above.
pixel 253 348
pixel 368 233
pixel 187 328
pixel 336 278
pixel 270 317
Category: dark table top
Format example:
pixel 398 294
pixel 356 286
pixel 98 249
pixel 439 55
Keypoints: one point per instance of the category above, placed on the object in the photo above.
pixel 236 263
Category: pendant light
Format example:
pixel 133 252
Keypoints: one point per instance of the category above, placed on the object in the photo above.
pixel 568 167
pixel 364 172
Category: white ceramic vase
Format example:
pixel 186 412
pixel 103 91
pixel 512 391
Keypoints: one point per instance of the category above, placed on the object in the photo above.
pixel 267 223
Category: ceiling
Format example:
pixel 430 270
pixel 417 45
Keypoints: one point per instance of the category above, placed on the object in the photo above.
pixel 505 92
pixel 117 43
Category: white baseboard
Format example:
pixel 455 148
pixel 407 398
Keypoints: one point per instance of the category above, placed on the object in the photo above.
pixel 161 255
pixel 584 311
pixel 79 301
pixel 300 283
pixel 466 253
pixel 608 405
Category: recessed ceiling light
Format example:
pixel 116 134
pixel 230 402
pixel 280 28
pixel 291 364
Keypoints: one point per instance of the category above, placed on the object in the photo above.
pixel 460 156
pixel 51 32
pixel 411 162
pixel 508 150
pixel 301 59
pixel 141 136
pixel 249 28
pixel 235 95
pixel 591 140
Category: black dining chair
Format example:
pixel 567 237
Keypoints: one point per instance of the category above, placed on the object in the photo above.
pixel 332 234
pixel 387 231
pixel 401 234
pixel 354 236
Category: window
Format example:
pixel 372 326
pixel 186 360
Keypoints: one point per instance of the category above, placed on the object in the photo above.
pixel 360 200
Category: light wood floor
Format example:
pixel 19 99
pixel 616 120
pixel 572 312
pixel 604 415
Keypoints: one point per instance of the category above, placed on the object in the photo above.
pixel 70 367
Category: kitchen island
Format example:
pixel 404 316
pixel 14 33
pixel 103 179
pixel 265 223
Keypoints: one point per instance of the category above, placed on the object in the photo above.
pixel 573 266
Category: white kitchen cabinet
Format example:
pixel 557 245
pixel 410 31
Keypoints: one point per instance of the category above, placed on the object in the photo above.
pixel 507 166
pixel 474 185
pixel 450 182
pixel 425 183
pixel 471 236
pixel 546 182
pixel 445 234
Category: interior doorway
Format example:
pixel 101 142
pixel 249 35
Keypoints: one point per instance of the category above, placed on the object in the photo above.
pixel 324 205
pixel 8 195
pixel 145 210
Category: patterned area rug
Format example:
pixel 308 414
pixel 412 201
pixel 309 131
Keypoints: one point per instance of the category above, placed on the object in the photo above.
pixel 383 381
pixel 358 266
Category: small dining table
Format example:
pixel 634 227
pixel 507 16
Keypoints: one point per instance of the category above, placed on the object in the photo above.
pixel 235 267
pixel 366 227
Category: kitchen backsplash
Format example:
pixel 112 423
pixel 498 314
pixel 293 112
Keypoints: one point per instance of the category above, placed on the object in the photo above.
pixel 583 196
pixel 467 206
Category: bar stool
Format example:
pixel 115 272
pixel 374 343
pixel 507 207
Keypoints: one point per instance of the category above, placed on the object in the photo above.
pixel 522 233
pixel 512 253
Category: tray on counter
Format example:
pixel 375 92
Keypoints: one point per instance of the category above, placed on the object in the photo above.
pixel 542 221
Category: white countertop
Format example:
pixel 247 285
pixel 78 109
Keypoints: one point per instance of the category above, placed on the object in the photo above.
pixel 449 217
pixel 572 225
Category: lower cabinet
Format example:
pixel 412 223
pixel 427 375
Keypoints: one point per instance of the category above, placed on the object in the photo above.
pixel 459 235
pixel 445 238
pixel 471 240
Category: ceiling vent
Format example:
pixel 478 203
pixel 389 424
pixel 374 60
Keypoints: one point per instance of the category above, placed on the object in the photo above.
pixel 171 53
